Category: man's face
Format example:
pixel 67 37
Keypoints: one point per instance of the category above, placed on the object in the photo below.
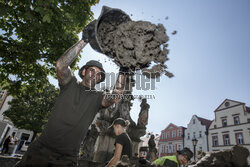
pixel 116 128
pixel 92 75
pixel 183 159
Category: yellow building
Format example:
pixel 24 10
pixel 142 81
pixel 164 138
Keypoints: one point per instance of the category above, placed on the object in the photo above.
pixel 231 126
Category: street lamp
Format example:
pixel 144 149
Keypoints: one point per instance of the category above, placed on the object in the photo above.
pixel 194 140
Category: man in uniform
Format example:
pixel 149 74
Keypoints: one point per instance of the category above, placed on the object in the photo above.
pixel 181 158
pixel 74 111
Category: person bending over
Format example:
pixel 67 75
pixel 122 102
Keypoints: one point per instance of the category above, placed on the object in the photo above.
pixel 123 144
pixel 181 158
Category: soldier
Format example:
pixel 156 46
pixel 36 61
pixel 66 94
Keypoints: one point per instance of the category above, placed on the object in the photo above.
pixel 181 158
pixel 123 144
pixel 73 112
pixel 6 143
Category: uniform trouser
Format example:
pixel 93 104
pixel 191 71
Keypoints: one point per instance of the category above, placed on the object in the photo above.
pixel 39 156
pixel 5 148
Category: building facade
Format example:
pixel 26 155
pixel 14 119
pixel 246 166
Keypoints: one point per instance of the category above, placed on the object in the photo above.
pixel 8 129
pixel 230 127
pixel 171 140
pixel 197 129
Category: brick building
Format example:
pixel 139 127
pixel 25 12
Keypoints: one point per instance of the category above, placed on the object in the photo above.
pixel 171 140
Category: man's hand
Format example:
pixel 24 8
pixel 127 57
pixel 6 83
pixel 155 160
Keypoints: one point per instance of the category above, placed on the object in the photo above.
pixel 119 87
pixel 123 70
pixel 85 35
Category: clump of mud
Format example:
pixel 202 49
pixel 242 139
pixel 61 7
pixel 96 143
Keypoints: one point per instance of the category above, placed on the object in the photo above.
pixel 135 44
pixel 235 157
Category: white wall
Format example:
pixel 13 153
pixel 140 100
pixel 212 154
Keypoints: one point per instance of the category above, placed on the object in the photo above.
pixel 216 128
pixel 18 132
pixel 5 128
pixel 197 128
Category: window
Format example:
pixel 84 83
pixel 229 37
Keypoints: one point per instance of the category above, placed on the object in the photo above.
pixel 173 133
pixel 162 136
pixel 162 148
pixel 193 121
pixel 174 150
pixel 227 104
pixel 1 94
pixel 169 148
pixel 224 122
pixel 194 135
pixel 25 136
pixel 167 135
pixel 200 135
pixel 239 138
pixel 179 133
pixel 226 139
pixel 236 120
pixel 188 136
pixel 248 120
pixel 167 151
pixel 215 126
pixel 215 140
pixel 179 147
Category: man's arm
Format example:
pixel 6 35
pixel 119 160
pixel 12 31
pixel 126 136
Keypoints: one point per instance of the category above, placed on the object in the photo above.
pixel 110 99
pixel 62 64
pixel 117 155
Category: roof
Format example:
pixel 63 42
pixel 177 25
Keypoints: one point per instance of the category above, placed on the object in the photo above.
pixel 239 103
pixel 183 127
pixel 171 124
pixel 205 122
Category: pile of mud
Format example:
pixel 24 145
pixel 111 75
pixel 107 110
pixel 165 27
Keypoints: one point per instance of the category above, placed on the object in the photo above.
pixel 236 157
pixel 134 44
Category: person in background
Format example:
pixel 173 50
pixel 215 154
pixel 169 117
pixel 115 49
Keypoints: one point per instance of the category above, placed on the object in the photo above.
pixel 6 143
pixel 181 158
pixel 123 144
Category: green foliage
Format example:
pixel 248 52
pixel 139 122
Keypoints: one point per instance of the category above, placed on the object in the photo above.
pixel 34 34
pixel 31 109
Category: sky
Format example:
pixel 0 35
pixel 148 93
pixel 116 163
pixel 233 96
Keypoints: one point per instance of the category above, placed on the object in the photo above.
pixel 209 57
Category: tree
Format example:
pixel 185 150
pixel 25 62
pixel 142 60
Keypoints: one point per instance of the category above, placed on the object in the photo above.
pixel 34 34
pixel 31 109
